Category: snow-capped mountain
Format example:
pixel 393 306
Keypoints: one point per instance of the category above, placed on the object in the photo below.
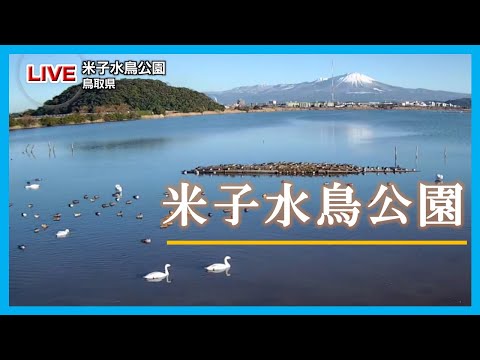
pixel 347 87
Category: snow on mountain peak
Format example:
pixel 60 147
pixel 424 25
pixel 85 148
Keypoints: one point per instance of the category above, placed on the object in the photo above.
pixel 356 79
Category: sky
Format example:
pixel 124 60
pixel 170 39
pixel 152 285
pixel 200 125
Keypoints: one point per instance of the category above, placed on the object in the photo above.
pixel 214 72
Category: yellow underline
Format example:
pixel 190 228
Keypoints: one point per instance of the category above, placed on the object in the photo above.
pixel 316 242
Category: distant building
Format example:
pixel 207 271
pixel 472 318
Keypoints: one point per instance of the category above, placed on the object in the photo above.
pixel 240 102
pixel 272 102
pixel 292 104
pixel 305 104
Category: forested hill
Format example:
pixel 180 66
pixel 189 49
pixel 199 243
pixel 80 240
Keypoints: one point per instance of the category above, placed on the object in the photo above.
pixel 135 95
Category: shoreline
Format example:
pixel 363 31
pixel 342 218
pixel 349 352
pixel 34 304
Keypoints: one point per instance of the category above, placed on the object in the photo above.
pixel 173 114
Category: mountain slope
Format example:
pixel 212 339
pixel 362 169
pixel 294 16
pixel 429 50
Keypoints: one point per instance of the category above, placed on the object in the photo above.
pixel 465 102
pixel 347 87
pixel 131 94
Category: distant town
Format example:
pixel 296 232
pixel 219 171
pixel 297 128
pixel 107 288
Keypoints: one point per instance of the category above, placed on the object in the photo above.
pixel 241 104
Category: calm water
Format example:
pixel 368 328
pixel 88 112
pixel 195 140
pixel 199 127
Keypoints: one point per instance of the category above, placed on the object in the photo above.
pixel 102 262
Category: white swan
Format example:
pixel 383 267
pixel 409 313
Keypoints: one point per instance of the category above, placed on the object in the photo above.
pixel 63 233
pixel 158 274
pixel 219 267
pixel 118 188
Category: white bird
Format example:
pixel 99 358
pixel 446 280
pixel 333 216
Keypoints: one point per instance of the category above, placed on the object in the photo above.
pixel 219 267
pixel 118 188
pixel 158 274
pixel 77 214
pixel 32 187
pixel 63 233
pixel 439 177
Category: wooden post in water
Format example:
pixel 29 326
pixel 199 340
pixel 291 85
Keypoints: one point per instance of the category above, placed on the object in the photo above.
pixel 416 157
pixel 395 156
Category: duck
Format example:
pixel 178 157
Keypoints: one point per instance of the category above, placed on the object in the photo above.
pixel 98 213
pixel 57 218
pixel 158 274
pixel 92 200
pixel 76 202
pixel 77 214
pixel 57 215
pixel 71 205
pixel 36 216
pixel 210 214
pixel 227 210
pixel 165 193
pixel 112 204
pixel 219 267
pixel 128 202
pixel 85 197
pixel 96 197
pixel 32 186
pixel 136 197
pixel 36 230
pixel 44 226
pixel 22 247
pixel 30 205
pixel 146 241
pixel 139 216
pixel 264 196
pixel 24 214
pixel 245 210
pixel 120 213
pixel 105 205
pixel 62 233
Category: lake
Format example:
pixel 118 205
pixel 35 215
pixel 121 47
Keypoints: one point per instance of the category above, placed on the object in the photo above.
pixel 102 261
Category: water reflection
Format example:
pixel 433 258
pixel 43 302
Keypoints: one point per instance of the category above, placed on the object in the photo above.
pixel 219 271
pixel 159 280
pixel 125 144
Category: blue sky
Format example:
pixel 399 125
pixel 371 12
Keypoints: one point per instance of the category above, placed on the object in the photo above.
pixel 449 72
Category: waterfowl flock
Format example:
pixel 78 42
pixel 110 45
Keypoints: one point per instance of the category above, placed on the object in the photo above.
pixel 121 213
pixel 66 232
pixel 117 195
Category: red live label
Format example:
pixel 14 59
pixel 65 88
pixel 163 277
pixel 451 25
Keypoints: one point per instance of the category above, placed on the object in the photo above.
pixel 60 73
